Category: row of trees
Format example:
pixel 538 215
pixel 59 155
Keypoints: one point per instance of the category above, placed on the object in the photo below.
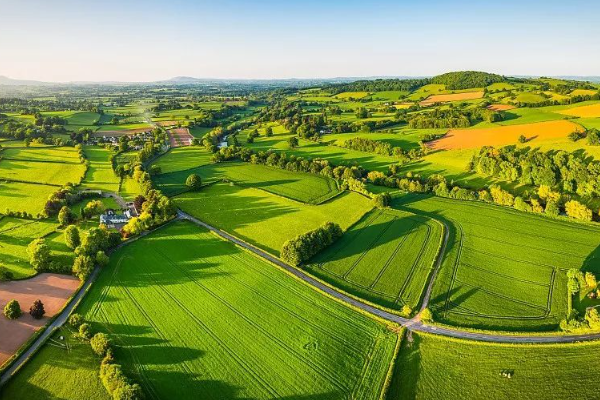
pixel 453 118
pixel 301 248
pixel 567 172
pixel 114 380
pixel 383 148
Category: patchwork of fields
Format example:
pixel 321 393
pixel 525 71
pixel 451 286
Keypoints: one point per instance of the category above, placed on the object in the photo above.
pixel 225 310
pixel 386 257
pixel 504 269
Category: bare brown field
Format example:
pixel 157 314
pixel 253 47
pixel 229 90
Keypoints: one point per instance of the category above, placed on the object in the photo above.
pixel 52 289
pixel 180 137
pixel 503 135
pixel 120 133
pixel 500 107
pixel 444 98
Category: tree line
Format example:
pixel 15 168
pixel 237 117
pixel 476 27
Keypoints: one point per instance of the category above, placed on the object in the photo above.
pixel 301 248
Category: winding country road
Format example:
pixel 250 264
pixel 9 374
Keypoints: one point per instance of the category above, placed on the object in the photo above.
pixel 414 324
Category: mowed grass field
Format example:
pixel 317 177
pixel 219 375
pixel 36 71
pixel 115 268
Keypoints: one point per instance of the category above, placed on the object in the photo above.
pixel 28 197
pixel 45 165
pixel 267 220
pixel 504 135
pixel 434 367
pixel 100 174
pixel 57 373
pixel 504 269
pixel 386 257
pixel 179 163
pixel 237 327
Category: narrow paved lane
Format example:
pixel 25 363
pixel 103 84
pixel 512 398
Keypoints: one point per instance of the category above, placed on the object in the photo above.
pixel 412 324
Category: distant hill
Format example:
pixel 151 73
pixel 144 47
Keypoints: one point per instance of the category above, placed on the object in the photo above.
pixel 4 80
pixel 467 79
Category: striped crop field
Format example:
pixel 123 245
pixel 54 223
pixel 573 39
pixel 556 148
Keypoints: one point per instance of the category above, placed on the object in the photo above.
pixel 237 327
pixel 386 257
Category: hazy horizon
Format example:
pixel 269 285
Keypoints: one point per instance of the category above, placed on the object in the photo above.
pixel 68 41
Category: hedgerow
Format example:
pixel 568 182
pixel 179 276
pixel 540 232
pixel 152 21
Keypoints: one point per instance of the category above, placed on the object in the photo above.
pixel 303 247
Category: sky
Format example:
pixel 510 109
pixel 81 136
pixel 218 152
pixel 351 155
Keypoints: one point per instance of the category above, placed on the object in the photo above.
pixel 66 40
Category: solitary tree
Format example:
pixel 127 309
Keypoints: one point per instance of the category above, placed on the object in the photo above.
pixel 75 320
pixel 194 182
pixel 12 310
pixel 522 139
pixel 268 131
pixel 100 344
pixel 65 216
pixel 37 309
pixel 39 254
pixel 72 238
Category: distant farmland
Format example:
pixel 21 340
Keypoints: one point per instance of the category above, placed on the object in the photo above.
pixel 225 309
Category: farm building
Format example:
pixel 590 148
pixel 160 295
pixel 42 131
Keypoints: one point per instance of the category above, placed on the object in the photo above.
pixel 114 220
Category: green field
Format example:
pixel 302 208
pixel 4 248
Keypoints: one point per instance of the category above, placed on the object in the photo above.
pixel 41 165
pixel 100 174
pixel 433 367
pixel 225 309
pixel 266 220
pixel 27 197
pixel 504 269
pixel 15 236
pixel 386 257
pixel 56 372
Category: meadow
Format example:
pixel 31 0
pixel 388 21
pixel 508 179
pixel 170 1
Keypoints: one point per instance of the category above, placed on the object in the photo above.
pixel 264 219
pixel 386 257
pixel 504 269
pixel 15 236
pixel 27 197
pixel 62 369
pixel 225 309
pixel 100 174
pixel 435 367
pixel 41 165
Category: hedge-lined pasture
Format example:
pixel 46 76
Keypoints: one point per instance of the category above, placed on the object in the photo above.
pixel 56 372
pixel 267 220
pixel 39 153
pixel 504 269
pixel 15 236
pixel 100 174
pixel 435 367
pixel 386 257
pixel 17 196
pixel 237 327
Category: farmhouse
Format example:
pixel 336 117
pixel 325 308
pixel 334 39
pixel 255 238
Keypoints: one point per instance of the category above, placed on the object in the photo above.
pixel 114 220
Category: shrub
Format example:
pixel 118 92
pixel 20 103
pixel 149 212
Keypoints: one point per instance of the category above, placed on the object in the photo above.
pixel 194 182
pixel 100 344
pixel 406 311
pixel 12 310
pixel 304 246
pixel 577 210
pixel 426 315
pixel 37 309
pixel 101 258
pixel 85 331
pixel 75 320
pixel 5 274
pixel 382 199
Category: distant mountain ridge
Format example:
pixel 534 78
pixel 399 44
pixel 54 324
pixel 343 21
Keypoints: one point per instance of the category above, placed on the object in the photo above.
pixel 188 80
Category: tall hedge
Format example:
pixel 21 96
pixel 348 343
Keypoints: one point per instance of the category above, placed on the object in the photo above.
pixel 303 247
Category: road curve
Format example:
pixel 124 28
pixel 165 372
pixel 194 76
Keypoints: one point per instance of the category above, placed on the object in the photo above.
pixel 413 324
